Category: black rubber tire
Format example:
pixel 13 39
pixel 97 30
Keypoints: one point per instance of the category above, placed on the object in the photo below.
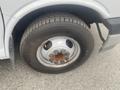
pixel 55 25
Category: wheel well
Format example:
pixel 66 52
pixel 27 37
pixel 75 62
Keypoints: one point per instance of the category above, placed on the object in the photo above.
pixel 86 14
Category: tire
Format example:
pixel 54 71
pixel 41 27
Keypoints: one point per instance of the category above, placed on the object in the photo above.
pixel 54 25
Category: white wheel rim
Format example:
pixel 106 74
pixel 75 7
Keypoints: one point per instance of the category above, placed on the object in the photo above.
pixel 62 52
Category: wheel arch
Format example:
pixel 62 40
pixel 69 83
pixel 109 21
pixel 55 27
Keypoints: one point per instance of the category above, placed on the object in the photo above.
pixel 32 11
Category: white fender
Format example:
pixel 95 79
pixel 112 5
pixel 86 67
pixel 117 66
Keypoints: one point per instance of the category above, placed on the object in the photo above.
pixel 44 3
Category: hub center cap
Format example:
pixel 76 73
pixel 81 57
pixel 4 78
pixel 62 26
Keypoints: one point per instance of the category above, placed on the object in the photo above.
pixel 59 56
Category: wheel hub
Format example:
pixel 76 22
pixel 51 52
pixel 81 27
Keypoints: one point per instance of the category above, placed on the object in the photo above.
pixel 58 51
pixel 59 56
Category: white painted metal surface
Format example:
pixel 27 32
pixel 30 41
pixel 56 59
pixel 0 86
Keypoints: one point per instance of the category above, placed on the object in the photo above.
pixel 2 53
pixel 112 6
pixel 59 54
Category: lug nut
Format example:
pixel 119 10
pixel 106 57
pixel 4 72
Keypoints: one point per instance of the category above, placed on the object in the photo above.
pixel 56 62
pixel 51 55
pixel 65 61
pixel 67 54
pixel 51 60
pixel 62 62
pixel 66 58
pixel 59 62
pixel 63 51
pixel 56 52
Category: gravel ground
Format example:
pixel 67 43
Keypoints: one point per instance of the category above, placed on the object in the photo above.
pixel 100 72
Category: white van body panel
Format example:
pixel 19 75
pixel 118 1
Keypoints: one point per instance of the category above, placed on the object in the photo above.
pixel 16 9
pixel 112 7
pixel 2 53
pixel 2 49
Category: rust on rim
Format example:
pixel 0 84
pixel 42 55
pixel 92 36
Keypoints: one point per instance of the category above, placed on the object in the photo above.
pixel 58 57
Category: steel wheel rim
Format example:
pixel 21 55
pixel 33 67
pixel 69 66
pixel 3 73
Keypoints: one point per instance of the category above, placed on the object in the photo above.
pixel 63 47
